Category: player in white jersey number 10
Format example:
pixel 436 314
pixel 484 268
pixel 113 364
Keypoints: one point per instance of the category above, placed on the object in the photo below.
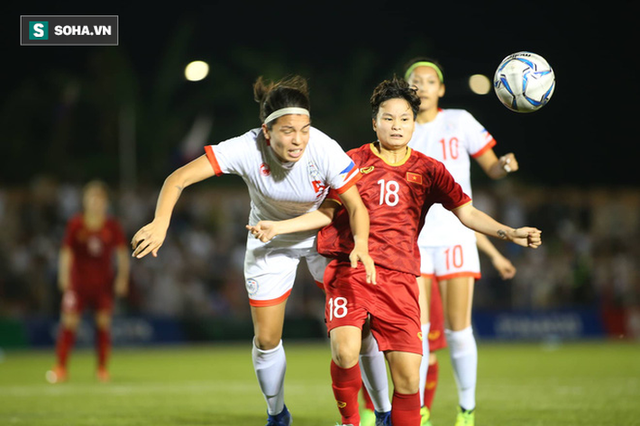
pixel 449 254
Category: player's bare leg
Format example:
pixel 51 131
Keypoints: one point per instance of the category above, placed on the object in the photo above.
pixel 457 299
pixel 269 360
pixel 424 285
pixel 103 343
pixel 345 371
pixel 69 322
pixel 405 406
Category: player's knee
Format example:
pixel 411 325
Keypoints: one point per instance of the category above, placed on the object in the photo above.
pixel 103 321
pixel 267 341
pixel 345 355
pixel 345 359
pixel 406 383
pixel 70 321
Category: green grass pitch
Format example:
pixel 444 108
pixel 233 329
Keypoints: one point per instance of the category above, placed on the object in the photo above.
pixel 518 384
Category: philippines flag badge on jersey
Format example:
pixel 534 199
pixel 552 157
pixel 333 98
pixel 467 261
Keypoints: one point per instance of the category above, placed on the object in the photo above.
pixel 487 136
pixel 348 173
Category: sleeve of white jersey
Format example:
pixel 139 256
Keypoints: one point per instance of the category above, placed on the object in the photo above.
pixel 230 156
pixel 340 171
pixel 478 138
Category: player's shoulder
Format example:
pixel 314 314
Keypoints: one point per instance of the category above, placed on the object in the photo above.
pixel 113 221
pixel 76 220
pixel 419 157
pixel 361 152
pixel 456 114
pixel 248 139
pixel 316 133
pixel 422 163
pixel 321 142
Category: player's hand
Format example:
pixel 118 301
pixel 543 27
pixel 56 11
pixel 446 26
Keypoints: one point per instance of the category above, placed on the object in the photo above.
pixel 148 239
pixel 508 162
pixel 264 230
pixel 504 267
pixel 526 237
pixel 369 265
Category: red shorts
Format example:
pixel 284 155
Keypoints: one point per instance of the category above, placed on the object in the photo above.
pixel 76 301
pixel 437 339
pixel 392 305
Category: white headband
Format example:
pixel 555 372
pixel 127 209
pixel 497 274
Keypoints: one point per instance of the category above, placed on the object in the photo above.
pixel 284 111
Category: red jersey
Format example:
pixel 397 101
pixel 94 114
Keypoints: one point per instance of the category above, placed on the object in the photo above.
pixel 397 197
pixel 93 251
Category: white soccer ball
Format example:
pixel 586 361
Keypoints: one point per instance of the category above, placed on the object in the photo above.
pixel 524 82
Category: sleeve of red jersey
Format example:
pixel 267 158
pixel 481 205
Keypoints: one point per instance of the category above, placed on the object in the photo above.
pixel 446 190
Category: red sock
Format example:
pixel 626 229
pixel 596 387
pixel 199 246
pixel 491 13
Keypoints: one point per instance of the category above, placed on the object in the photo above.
pixel 346 383
pixel 66 339
pixel 368 404
pixel 103 346
pixel 432 384
pixel 405 409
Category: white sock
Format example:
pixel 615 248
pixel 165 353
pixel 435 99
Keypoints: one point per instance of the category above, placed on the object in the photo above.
pixel 464 360
pixel 270 367
pixel 374 374
pixel 424 364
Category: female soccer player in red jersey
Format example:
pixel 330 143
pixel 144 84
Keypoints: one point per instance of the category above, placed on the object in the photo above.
pixel 86 277
pixel 398 186
pixel 288 167
pixel 448 250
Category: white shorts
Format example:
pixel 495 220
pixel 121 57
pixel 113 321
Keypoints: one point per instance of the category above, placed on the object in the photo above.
pixel 270 272
pixel 446 262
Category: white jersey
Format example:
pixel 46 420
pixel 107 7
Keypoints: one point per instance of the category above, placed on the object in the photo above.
pixel 280 191
pixel 453 137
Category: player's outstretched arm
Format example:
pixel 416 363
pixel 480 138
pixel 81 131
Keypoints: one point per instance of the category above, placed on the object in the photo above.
pixel 497 168
pixel 481 222
pixel 266 230
pixel 150 237
pixel 503 265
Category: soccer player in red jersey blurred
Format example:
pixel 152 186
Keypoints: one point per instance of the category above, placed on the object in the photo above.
pixel 398 186
pixel 88 279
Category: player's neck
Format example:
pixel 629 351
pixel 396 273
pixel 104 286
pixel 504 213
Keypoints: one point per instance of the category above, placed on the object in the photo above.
pixel 427 115
pixel 94 220
pixel 391 155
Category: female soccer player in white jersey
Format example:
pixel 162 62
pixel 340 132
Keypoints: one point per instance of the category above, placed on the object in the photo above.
pixel 288 167
pixel 398 186
pixel 448 249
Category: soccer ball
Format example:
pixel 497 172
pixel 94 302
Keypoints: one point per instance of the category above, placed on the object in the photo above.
pixel 524 82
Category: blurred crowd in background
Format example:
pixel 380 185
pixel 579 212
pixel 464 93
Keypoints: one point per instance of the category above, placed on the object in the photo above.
pixel 128 116
pixel 589 257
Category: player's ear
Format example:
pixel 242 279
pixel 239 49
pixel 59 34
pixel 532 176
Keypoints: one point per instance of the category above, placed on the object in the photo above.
pixel 265 131
pixel 373 123
pixel 441 90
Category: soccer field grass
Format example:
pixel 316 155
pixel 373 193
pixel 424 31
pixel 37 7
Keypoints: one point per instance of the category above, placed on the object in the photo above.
pixel 518 384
